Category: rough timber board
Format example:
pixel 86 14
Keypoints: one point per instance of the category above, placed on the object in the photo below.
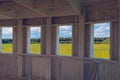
pixel 119 30
pixel 15 9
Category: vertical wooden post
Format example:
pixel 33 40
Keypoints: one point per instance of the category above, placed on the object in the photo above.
pixel 25 40
pixel 48 37
pixel 20 47
pixel 20 37
pixel 54 41
pixel 88 41
pixel 88 48
pixel 51 38
pixel 119 32
pixel 28 40
pixel 114 40
pixel 78 38
pixel 91 39
pixel 81 38
pixel 78 45
pixel 15 39
pixel 43 40
pixel 75 40
pixel 0 39
pixel 57 40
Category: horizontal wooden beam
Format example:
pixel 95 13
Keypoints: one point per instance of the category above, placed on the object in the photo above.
pixel 7 15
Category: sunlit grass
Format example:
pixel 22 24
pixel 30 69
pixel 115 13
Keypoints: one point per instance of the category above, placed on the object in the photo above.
pixel 65 49
pixel 7 48
pixel 35 48
pixel 100 50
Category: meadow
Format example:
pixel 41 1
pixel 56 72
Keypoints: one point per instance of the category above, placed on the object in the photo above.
pixel 100 50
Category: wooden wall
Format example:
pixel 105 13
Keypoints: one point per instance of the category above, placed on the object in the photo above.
pixel 102 12
pixel 109 71
pixel 36 67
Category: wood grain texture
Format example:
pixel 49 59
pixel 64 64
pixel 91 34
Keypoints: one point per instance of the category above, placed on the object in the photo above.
pixel 36 67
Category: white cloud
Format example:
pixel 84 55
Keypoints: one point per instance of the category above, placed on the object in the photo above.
pixel 35 32
pixel 102 30
pixel 7 32
pixel 65 27
pixel 103 24
pixel 65 31
pixel 35 29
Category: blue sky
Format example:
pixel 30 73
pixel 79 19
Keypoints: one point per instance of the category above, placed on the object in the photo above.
pixel 7 32
pixel 100 30
pixel 65 31
pixel 35 32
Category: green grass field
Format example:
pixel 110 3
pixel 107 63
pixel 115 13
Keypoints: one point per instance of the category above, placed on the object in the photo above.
pixel 7 48
pixel 100 50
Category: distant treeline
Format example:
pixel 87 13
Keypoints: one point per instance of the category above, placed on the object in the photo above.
pixel 10 41
pixel 96 40
pixel 64 40
pixel 102 40
pixel 35 41
pixel 7 40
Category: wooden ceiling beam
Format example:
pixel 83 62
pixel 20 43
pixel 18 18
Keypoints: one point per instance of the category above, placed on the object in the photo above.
pixel 29 4
pixel 75 4
pixel 7 15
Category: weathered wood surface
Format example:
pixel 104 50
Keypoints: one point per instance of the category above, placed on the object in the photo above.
pixel 35 67
pixel 109 71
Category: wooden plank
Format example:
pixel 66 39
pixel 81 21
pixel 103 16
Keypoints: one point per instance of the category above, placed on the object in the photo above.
pixel 38 67
pixel 41 67
pixel 81 37
pixel 20 66
pixel 25 38
pixel 10 70
pixel 0 39
pixel 55 40
pixel 48 37
pixel 68 73
pixel 88 47
pixel 43 40
pixel 75 40
pixel 56 68
pixel 114 40
pixel 15 39
pixel 20 37
pixel 119 31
